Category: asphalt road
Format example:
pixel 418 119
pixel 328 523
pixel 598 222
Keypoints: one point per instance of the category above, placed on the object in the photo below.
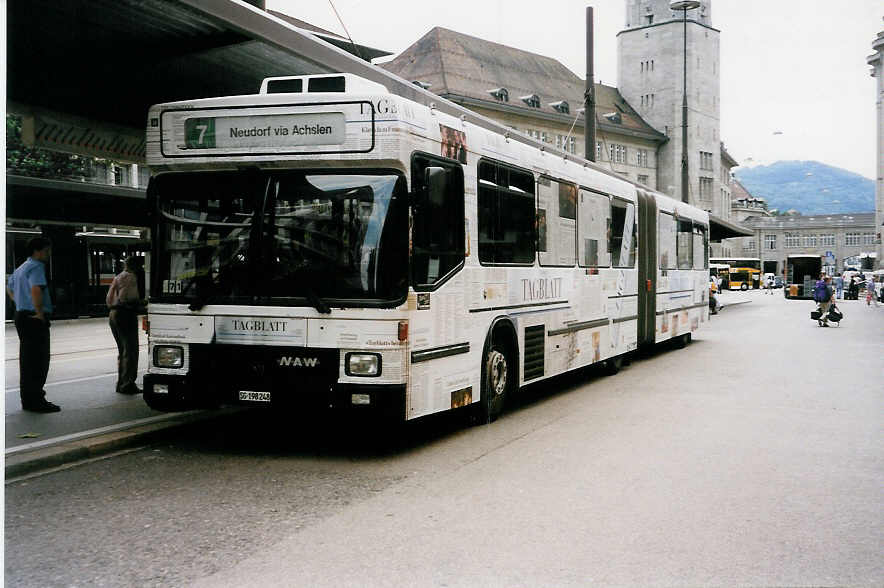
pixel 82 376
pixel 751 457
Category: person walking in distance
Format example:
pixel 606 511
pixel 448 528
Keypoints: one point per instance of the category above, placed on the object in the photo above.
pixel 839 286
pixel 29 290
pixel 822 294
pixel 123 301
pixel 870 292
pixel 853 288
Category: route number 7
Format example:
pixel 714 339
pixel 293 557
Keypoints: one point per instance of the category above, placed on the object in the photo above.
pixel 199 133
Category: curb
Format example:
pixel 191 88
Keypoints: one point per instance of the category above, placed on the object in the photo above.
pixel 723 306
pixel 26 460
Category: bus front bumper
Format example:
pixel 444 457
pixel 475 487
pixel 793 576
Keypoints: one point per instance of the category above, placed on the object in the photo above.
pixel 176 392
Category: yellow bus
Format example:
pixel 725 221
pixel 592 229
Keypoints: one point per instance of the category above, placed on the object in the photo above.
pixel 745 272
pixel 744 278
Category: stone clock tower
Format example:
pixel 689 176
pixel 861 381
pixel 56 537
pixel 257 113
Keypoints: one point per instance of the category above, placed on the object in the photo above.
pixel 651 67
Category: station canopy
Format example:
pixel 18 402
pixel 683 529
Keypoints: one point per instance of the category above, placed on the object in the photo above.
pixel 108 61
pixel 721 229
pixel 83 73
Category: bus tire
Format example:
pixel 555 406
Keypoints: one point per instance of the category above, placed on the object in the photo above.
pixel 498 372
pixel 682 341
pixel 613 365
pixel 744 286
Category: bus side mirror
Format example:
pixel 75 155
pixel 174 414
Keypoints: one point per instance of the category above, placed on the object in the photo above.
pixel 436 181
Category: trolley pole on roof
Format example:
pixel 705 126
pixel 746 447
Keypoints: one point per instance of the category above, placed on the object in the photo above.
pixel 589 94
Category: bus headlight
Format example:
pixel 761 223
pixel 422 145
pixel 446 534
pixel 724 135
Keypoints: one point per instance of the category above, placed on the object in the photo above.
pixel 168 356
pixel 363 364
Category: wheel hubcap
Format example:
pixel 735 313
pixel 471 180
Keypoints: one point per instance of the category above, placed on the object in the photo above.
pixel 497 367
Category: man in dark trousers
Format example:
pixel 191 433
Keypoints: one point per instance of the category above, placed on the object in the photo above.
pixel 29 290
pixel 123 300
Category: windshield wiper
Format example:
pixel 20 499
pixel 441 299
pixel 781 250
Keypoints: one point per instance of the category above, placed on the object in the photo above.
pixel 309 293
pixel 202 297
pixel 316 301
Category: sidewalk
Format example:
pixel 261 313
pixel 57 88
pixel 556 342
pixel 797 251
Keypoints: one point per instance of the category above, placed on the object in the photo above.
pixel 94 418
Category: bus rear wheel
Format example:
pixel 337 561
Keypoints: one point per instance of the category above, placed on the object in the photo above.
pixel 682 341
pixel 497 381
pixel 613 365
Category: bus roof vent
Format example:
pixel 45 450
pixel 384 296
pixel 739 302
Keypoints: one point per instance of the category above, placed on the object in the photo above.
pixel 320 84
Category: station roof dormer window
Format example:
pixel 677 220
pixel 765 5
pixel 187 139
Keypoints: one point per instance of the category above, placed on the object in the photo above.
pixel 561 106
pixel 500 94
pixel 532 100
pixel 424 85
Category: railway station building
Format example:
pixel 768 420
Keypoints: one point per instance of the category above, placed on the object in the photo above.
pixel 534 95
pixel 638 126
pixel 850 238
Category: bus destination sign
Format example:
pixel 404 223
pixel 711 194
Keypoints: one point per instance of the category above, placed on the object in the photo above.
pixel 248 133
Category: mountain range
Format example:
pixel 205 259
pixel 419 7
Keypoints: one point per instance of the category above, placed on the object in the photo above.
pixel 810 187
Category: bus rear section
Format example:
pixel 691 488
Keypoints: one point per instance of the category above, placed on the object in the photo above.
pixel 674 272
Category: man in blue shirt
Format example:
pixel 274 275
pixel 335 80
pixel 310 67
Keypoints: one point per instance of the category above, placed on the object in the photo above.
pixel 29 290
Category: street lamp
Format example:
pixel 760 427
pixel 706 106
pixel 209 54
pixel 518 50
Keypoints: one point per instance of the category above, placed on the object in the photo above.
pixel 684 6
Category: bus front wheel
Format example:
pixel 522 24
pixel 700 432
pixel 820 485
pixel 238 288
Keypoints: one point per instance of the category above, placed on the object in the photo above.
pixel 497 380
pixel 744 286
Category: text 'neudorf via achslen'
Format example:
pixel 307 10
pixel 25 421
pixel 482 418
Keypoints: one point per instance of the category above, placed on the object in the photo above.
pixel 280 131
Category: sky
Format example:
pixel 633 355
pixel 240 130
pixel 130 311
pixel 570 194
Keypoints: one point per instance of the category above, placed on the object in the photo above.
pixel 795 84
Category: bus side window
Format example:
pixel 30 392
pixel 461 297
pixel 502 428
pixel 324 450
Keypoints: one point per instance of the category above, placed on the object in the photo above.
pixel 506 215
pixel 701 248
pixel 623 232
pixel 438 213
pixel 556 222
pixel 684 245
pixel 594 223
pixel 667 247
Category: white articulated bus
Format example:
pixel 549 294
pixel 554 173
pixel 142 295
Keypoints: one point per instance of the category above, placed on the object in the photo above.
pixel 326 243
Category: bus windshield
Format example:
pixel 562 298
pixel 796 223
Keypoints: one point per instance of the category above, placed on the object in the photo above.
pixel 281 237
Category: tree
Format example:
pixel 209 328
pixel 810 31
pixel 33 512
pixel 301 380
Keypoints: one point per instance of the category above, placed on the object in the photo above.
pixel 42 163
